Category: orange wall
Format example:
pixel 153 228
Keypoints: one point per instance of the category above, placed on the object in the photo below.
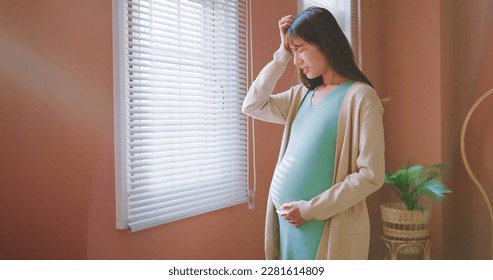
pixel 56 112
pixel 57 144
pixel 401 55
pixel 56 148
pixel 433 59
pixel 467 69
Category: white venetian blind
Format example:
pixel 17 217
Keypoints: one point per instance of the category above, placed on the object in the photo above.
pixel 181 135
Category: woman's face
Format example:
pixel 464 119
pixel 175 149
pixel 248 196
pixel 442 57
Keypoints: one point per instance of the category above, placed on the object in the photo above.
pixel 308 58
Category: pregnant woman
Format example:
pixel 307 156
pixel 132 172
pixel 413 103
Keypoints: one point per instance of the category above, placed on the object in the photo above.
pixel 332 150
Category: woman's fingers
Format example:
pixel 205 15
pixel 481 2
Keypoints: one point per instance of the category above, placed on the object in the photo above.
pixel 286 18
pixel 292 214
pixel 284 24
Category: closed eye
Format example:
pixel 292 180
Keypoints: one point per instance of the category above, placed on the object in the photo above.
pixel 297 50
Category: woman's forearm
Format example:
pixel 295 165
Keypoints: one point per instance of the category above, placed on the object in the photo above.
pixel 260 101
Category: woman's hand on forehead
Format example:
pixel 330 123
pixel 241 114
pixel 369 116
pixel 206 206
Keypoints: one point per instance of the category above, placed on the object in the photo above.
pixel 284 24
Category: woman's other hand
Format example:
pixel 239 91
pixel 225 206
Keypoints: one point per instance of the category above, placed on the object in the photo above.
pixel 292 214
pixel 284 24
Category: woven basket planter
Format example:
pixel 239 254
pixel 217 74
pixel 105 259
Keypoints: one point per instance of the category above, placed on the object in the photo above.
pixel 401 224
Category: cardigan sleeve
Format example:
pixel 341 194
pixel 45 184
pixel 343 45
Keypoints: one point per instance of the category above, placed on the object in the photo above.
pixel 369 167
pixel 260 101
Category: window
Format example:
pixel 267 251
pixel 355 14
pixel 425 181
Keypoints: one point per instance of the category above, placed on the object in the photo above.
pixel 180 136
pixel 346 13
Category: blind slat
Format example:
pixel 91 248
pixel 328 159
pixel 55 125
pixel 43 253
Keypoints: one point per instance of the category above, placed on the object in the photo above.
pixel 164 22
pixel 168 168
pixel 187 70
pixel 190 199
pixel 203 55
pixel 141 202
pixel 189 12
pixel 184 145
pixel 165 61
pixel 190 44
pixel 170 188
pixel 177 179
pixel 183 211
pixel 186 198
pixel 158 145
pixel 156 170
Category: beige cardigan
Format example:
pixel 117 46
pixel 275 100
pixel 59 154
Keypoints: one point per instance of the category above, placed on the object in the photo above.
pixel 359 164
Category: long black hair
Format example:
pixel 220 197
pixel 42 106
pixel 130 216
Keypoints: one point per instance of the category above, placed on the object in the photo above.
pixel 318 27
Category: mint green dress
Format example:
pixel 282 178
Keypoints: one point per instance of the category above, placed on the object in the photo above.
pixel 306 169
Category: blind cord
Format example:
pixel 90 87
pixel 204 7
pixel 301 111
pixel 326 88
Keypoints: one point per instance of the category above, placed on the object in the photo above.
pixel 251 128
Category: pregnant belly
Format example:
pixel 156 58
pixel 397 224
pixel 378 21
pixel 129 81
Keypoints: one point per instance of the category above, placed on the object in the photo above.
pixel 296 179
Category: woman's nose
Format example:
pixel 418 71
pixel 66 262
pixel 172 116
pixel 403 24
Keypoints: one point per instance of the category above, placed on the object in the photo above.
pixel 296 60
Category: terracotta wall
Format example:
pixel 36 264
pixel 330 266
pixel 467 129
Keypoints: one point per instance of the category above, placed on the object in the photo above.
pixel 56 115
pixel 467 69
pixel 56 144
pixel 401 55
pixel 432 58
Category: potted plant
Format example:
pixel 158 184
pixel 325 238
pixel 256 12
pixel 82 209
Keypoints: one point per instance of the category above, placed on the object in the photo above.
pixel 417 186
pixel 417 183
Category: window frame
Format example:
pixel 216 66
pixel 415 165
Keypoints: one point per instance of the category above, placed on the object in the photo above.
pixel 121 136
